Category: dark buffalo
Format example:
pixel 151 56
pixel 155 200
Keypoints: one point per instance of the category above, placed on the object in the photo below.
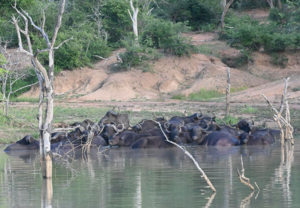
pixel 243 125
pixel 230 130
pixel 260 137
pixel 99 141
pixel 185 119
pixel 146 125
pixel 126 139
pixel 218 138
pixel 58 137
pixel 115 118
pixel 153 142
pixel 196 131
pixel 109 130
pixel 27 143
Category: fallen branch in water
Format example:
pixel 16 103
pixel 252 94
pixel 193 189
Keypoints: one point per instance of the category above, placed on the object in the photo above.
pixel 190 156
pixel 242 177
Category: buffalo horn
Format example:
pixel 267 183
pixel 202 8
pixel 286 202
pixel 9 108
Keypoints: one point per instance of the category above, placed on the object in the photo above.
pixel 207 126
pixel 166 125
pixel 154 115
pixel 123 127
pixel 198 115
pixel 214 117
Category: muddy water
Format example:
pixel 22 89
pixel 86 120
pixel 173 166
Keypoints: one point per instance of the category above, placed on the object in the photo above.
pixel 156 178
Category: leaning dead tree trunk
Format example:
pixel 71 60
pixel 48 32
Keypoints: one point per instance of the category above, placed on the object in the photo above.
pixel 279 4
pixel 280 119
pixel 45 81
pixel 225 11
pixel 190 156
pixel 270 2
pixel 133 17
pixel 228 93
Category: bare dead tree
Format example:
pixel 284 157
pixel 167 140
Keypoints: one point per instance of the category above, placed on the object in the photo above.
pixel 279 4
pixel 225 11
pixel 97 17
pixel 280 119
pixel 134 20
pixel 228 93
pixel 46 79
pixel 190 156
pixel 270 2
pixel 11 74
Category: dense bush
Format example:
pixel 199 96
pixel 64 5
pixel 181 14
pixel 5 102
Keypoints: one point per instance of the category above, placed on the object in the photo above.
pixel 243 32
pixel 163 34
pixel 275 36
pixel 138 56
pixel 197 14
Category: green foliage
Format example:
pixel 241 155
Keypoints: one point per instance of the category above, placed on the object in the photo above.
pixel 162 34
pixel 116 19
pixel 138 56
pixel 279 60
pixel 250 4
pixel 249 109
pixel 280 33
pixel 6 6
pixel 237 89
pixel 197 13
pixel 227 119
pixel 242 32
pixel 201 95
pixel 2 61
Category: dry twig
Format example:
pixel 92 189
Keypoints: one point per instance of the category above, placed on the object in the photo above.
pixel 242 177
pixel 190 156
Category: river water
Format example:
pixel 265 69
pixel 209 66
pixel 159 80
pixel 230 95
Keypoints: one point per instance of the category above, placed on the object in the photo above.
pixel 122 177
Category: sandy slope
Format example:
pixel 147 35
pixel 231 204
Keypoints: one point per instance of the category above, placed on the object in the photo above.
pixel 174 75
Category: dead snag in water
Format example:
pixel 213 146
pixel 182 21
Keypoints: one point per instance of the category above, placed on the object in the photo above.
pixel 228 93
pixel 190 156
pixel 279 118
pixel 242 177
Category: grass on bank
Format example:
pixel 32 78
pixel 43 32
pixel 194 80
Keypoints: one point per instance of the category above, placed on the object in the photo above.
pixel 201 95
pixel 18 125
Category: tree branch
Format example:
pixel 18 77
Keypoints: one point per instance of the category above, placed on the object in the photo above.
pixel 190 156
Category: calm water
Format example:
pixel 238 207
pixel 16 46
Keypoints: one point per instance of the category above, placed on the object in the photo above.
pixel 157 178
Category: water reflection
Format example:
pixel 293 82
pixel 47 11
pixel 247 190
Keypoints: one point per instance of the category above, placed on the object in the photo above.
pixel 154 178
pixel 46 193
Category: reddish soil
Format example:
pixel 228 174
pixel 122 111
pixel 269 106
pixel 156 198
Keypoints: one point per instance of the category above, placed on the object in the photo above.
pixel 173 75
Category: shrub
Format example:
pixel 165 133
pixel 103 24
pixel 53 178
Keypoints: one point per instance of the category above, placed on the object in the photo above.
pixel 138 56
pixel 162 34
pixel 242 32
pixel 279 60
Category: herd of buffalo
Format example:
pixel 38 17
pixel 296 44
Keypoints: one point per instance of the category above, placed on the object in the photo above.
pixel 114 130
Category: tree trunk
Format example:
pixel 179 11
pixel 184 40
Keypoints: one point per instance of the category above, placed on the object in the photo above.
pixel 279 4
pixel 225 11
pixel 133 17
pixel 228 93
pixel 271 3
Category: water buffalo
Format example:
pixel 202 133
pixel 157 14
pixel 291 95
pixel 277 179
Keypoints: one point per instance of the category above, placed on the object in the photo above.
pixel 260 137
pixel 126 139
pixel 116 118
pixel 243 125
pixel 186 119
pixel 218 138
pixel 145 125
pixel 230 130
pixel 196 132
pixel 27 143
pixel 153 142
